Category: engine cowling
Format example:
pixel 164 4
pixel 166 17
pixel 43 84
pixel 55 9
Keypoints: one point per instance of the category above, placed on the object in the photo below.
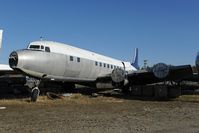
pixel 160 70
pixel 119 77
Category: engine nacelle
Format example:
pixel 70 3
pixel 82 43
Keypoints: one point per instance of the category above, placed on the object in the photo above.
pixel 160 70
pixel 119 77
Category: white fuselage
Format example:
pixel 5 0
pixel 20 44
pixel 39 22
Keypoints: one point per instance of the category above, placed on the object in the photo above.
pixel 79 63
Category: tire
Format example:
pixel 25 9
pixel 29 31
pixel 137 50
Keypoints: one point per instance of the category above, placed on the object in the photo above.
pixel 34 94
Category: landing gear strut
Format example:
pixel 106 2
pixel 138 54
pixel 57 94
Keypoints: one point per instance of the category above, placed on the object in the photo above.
pixel 33 85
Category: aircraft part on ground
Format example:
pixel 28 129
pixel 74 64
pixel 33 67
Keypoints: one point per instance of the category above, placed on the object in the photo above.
pixel 54 96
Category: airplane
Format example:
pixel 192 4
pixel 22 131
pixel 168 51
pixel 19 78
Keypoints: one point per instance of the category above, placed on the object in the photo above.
pixel 10 80
pixel 4 69
pixel 54 61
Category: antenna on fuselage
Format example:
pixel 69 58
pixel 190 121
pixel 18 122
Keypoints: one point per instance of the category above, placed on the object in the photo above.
pixel 41 38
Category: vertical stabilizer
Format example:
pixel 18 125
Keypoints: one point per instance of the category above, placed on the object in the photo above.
pixel 135 60
pixel 1 36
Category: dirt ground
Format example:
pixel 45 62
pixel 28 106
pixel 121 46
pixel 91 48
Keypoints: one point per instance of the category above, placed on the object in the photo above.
pixel 81 113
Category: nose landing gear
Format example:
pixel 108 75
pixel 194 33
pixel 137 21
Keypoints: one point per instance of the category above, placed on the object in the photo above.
pixel 35 94
pixel 33 85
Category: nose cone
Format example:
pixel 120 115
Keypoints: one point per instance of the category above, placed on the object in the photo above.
pixel 13 59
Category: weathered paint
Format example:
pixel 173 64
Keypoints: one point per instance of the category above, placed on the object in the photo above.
pixel 57 65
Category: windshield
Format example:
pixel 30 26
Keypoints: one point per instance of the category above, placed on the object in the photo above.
pixel 39 48
pixel 34 47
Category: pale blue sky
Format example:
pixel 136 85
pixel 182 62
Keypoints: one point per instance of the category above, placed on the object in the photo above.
pixel 163 30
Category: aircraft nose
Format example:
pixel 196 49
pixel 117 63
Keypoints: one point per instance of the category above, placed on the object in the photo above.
pixel 13 59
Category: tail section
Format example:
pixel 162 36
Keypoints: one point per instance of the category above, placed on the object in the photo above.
pixel 1 36
pixel 135 61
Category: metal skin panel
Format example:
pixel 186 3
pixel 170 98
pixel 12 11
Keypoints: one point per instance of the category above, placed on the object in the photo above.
pixel 65 49
pixel 58 66
pixel 41 62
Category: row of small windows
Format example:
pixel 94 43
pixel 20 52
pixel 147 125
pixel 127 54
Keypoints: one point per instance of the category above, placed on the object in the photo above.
pixel 72 59
pixel 105 65
pixel 96 63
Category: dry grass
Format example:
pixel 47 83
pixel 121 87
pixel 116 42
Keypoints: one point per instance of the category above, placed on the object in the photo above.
pixel 73 99
pixel 82 113
pixel 188 98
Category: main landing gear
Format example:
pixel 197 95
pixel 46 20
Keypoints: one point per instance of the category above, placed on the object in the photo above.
pixel 33 85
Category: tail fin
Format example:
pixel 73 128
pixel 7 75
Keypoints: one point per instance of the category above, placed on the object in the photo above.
pixel 1 36
pixel 135 61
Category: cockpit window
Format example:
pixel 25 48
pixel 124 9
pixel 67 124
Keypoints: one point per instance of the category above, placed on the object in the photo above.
pixel 47 49
pixel 34 47
pixel 39 48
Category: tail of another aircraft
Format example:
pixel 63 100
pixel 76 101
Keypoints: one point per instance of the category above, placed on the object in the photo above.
pixel 135 61
pixel 1 36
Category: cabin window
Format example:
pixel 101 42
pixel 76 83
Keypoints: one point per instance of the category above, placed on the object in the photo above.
pixel 111 66
pixel 42 47
pixel 114 67
pixel 104 64
pixel 96 63
pixel 47 49
pixel 71 58
pixel 108 66
pixel 100 64
pixel 78 59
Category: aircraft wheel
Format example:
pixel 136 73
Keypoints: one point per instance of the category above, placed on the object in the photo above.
pixel 34 94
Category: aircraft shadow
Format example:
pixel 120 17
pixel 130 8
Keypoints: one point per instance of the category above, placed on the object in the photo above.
pixel 92 92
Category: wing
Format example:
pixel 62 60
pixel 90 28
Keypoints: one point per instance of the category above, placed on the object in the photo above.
pixel 159 73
